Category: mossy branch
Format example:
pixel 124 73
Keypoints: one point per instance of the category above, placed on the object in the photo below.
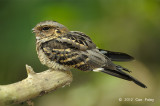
pixel 36 84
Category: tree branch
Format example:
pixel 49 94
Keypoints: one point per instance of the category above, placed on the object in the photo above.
pixel 36 84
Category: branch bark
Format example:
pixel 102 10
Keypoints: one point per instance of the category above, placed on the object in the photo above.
pixel 36 84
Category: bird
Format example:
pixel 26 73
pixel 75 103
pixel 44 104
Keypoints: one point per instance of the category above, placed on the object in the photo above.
pixel 61 49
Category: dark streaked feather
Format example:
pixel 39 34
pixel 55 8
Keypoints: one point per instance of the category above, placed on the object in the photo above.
pixel 116 56
pixel 120 74
pixel 77 40
pixel 64 53
pixel 122 68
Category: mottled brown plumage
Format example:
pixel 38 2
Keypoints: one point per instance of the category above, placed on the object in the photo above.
pixel 59 48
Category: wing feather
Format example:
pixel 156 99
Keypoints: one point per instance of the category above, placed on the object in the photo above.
pixel 74 50
pixel 77 41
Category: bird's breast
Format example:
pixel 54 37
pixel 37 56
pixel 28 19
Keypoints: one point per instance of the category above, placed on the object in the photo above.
pixel 46 61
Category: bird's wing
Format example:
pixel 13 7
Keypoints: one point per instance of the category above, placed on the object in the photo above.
pixel 77 40
pixel 74 49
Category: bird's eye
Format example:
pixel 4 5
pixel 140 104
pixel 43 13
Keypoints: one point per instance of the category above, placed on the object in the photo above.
pixel 45 28
pixel 58 31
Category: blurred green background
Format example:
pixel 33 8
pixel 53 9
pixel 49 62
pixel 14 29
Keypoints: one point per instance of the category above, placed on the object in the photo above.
pixel 131 26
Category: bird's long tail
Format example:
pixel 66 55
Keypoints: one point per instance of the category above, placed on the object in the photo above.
pixel 120 74
pixel 116 56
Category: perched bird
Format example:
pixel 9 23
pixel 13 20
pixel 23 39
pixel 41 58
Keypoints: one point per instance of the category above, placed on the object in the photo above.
pixel 61 49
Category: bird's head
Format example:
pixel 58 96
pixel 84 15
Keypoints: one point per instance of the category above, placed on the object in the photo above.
pixel 49 29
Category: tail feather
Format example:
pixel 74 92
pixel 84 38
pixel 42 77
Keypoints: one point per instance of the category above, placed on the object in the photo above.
pixel 120 74
pixel 116 56
pixel 122 68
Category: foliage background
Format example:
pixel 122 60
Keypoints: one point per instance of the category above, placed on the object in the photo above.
pixel 131 26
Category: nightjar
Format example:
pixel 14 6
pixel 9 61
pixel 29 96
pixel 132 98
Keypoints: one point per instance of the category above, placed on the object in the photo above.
pixel 62 49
